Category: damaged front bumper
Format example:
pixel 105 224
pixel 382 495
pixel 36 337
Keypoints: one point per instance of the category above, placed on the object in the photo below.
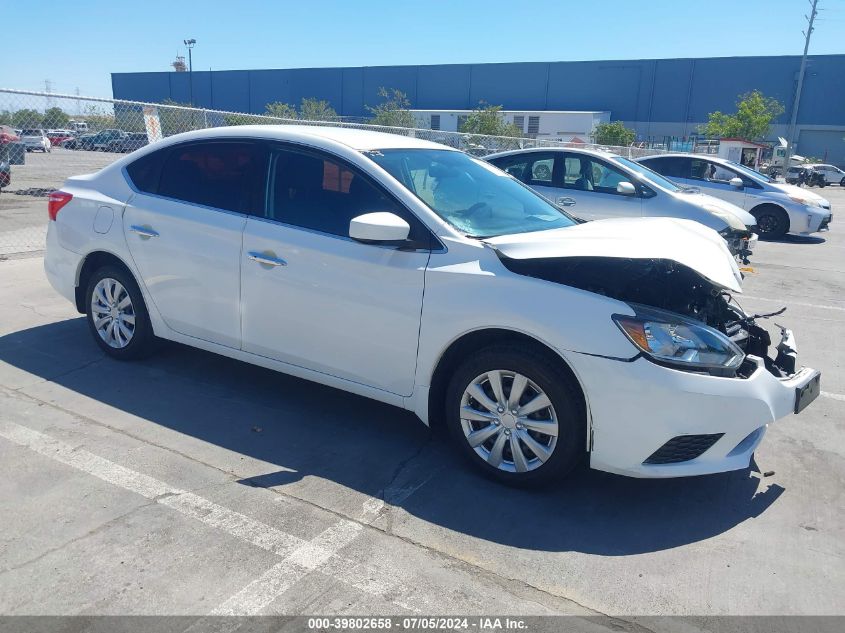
pixel 741 244
pixel 656 421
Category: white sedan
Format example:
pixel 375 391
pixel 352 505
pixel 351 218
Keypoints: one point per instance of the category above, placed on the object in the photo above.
pixel 409 272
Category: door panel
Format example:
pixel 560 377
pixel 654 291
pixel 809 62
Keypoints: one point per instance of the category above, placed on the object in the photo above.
pixel 335 306
pixel 591 184
pixel 712 178
pixel 188 257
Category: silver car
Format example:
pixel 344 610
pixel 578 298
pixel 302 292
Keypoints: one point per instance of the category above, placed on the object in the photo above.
pixel 779 208
pixel 35 139
pixel 595 185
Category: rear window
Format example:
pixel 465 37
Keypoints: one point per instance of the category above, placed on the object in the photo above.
pixel 224 175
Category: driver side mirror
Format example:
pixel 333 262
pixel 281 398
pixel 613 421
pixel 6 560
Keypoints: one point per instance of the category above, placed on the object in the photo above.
pixel 736 182
pixel 626 188
pixel 379 228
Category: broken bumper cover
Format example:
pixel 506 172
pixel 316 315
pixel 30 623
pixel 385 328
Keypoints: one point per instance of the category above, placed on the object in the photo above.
pixel 654 421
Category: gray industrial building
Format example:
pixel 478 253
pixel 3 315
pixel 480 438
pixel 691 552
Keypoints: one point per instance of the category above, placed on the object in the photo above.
pixel 657 97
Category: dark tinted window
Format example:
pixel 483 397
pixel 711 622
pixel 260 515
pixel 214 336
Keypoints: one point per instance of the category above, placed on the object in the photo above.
pixel 224 175
pixel 318 193
pixel 671 167
pixel 144 172
pixel 532 168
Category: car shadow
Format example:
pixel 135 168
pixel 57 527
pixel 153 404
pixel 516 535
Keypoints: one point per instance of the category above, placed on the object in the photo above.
pixel 797 239
pixel 309 430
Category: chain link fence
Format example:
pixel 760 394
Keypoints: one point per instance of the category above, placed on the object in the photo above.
pixel 46 138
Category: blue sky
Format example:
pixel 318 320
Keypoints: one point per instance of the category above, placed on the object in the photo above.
pixel 86 40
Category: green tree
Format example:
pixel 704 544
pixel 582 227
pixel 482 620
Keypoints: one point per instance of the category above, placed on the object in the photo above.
pixel 280 110
pixel 312 109
pixel 244 119
pixel 177 120
pixel 5 117
pixel 394 110
pixel 27 118
pixel 55 118
pixel 614 133
pixel 97 118
pixel 488 120
pixel 752 120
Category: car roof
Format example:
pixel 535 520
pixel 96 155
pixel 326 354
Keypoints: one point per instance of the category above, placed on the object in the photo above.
pixel 354 138
pixel 575 150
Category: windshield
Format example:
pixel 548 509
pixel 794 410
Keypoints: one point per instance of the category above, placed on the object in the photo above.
pixel 473 196
pixel 750 172
pixel 648 174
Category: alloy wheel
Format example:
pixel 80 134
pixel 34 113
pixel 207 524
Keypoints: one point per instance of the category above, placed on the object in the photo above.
pixel 112 313
pixel 509 421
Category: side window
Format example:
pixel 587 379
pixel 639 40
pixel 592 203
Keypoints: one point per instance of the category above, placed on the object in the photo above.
pixel 224 175
pixel 321 194
pixel 585 173
pixel 144 173
pixel 671 167
pixel 532 168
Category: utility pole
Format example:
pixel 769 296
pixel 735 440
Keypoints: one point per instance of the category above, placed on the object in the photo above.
pixel 48 88
pixel 790 142
pixel 190 44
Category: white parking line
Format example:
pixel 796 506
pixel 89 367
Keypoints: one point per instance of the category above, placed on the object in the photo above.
pixel 300 556
pixel 794 303
pixel 833 396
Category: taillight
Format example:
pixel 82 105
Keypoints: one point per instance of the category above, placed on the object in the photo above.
pixel 56 201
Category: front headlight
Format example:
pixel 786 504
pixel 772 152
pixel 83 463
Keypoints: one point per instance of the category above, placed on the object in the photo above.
pixel 807 202
pixel 674 339
pixel 729 218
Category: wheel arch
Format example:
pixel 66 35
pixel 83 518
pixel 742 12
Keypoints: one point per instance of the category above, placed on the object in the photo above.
pixel 774 205
pixel 479 339
pixel 93 261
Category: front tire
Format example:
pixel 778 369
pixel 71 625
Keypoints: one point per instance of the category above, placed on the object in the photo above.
pixel 117 316
pixel 772 222
pixel 516 415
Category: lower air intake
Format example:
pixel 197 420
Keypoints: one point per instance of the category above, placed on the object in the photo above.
pixel 683 448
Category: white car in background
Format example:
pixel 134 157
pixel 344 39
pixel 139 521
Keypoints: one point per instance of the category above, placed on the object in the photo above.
pixel 832 174
pixel 414 274
pixel 35 139
pixel 778 207
pixel 594 185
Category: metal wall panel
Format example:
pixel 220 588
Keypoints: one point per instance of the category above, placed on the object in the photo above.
pixel 679 91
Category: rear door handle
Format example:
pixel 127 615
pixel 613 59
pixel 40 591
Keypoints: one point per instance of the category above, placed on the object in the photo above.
pixel 566 201
pixel 267 260
pixel 143 231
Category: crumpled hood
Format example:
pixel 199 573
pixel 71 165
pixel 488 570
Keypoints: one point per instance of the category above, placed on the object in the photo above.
pixel 683 241
pixel 707 200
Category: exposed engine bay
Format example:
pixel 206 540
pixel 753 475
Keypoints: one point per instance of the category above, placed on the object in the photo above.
pixel 668 285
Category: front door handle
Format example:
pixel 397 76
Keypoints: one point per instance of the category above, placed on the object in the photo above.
pixel 566 201
pixel 265 259
pixel 143 231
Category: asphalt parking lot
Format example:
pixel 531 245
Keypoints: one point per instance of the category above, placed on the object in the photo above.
pixel 22 226
pixel 194 484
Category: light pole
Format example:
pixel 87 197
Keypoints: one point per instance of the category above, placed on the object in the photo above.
pixel 190 44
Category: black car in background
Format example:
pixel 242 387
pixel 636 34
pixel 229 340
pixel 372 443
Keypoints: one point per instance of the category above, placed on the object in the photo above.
pixel 5 174
pixel 132 142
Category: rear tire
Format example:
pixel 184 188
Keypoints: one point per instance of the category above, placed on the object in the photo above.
pixel 772 222
pixel 549 441
pixel 116 314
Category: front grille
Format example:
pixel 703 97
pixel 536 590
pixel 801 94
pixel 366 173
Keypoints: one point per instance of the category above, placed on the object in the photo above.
pixel 683 448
